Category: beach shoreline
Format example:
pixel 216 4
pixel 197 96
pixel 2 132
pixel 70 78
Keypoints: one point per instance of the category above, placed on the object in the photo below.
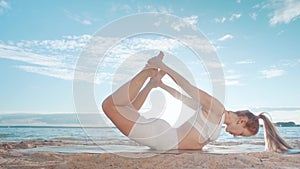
pixel 11 157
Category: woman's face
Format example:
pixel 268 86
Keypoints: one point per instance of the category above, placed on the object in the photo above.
pixel 238 128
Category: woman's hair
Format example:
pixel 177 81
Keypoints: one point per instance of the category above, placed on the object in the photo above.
pixel 252 124
pixel 273 141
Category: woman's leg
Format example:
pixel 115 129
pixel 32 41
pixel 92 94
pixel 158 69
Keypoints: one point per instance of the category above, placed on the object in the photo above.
pixel 118 106
pixel 141 97
pixel 124 95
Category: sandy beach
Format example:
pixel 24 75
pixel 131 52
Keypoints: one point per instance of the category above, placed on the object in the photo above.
pixel 11 158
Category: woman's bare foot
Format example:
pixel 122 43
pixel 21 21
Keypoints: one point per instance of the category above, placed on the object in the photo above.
pixel 156 60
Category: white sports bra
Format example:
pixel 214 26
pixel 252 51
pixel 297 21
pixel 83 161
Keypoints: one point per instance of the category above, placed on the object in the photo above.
pixel 208 130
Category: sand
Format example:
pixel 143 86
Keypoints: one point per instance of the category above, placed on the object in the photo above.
pixel 10 158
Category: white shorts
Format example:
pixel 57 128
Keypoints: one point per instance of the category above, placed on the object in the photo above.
pixel 155 133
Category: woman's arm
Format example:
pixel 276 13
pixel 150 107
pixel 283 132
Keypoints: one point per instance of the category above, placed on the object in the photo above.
pixel 209 103
pixel 185 99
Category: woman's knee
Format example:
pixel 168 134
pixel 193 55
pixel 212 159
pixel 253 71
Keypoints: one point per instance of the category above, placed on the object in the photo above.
pixel 107 105
pixel 121 116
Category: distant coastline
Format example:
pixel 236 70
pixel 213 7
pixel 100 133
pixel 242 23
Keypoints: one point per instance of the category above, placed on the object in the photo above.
pixel 287 124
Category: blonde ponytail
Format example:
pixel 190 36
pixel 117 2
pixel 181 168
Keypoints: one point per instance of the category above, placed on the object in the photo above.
pixel 273 141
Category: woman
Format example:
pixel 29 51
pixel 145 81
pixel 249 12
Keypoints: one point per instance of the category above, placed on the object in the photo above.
pixel 122 109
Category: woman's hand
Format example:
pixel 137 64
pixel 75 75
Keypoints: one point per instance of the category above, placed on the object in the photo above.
pixel 156 81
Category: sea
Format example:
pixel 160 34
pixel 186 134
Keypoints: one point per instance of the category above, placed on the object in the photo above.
pixel 111 140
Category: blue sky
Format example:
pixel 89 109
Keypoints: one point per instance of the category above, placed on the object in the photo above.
pixel 257 42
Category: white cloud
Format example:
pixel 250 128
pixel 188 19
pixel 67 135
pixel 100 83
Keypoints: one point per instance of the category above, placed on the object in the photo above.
pixel 225 37
pixel 57 58
pixel 232 78
pixel 214 64
pixel 288 63
pixel 50 53
pixel 187 22
pixel 230 82
pixel 86 22
pixel 235 16
pixel 256 6
pixel 4 4
pixel 253 16
pixel 196 42
pixel 126 58
pixel 278 69
pixel 61 73
pixel 238 1
pixel 19 54
pixel 151 8
pixel 232 18
pixel 280 32
pixel 247 61
pixel 191 20
pixel 220 20
pixel 83 19
pixel 271 73
pixel 120 7
pixel 66 44
pixel 285 11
